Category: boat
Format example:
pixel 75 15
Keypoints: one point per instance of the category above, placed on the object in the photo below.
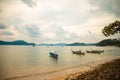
pixel 78 52
pixel 34 45
pixel 95 51
pixel 53 54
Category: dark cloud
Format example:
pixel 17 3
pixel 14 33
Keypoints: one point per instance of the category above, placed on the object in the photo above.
pixel 30 3
pixel 32 30
pixel 8 33
pixel 109 6
pixel 2 26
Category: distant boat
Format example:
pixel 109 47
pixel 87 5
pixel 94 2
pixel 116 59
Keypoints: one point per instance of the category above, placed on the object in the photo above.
pixel 95 51
pixel 53 54
pixel 78 52
pixel 34 45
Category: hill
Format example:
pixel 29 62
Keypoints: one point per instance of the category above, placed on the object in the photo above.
pixel 109 42
pixel 71 44
pixel 17 42
pixel 76 44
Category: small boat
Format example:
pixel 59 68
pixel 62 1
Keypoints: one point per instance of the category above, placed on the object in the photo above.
pixel 54 55
pixel 34 45
pixel 78 52
pixel 95 51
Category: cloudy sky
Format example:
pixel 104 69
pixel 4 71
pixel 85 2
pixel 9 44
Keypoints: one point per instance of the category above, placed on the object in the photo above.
pixel 54 21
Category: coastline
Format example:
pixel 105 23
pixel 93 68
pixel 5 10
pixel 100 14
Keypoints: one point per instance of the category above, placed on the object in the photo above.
pixel 62 74
pixel 109 70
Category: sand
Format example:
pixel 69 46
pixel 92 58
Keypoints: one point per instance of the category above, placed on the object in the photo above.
pixel 107 71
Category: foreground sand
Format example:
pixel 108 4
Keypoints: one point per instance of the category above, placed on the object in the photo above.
pixel 107 71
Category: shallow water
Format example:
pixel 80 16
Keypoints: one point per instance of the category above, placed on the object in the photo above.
pixel 23 61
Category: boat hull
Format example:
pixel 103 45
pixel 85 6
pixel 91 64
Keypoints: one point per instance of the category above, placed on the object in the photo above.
pixel 78 52
pixel 54 55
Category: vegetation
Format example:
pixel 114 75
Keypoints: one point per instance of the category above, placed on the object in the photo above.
pixel 112 29
pixel 108 42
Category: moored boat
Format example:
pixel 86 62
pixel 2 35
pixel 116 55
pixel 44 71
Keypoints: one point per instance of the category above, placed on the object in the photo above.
pixel 78 52
pixel 95 51
pixel 54 55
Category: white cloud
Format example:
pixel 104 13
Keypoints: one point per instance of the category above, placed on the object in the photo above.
pixel 56 20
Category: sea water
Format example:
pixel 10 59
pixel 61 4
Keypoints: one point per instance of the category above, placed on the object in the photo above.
pixel 24 61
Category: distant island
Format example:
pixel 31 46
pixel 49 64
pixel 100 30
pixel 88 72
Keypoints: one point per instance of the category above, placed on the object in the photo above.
pixel 76 44
pixel 109 42
pixel 105 42
pixel 71 44
pixel 17 42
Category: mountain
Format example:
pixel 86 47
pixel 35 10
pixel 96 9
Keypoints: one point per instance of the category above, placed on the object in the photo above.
pixel 71 44
pixel 109 42
pixel 64 44
pixel 17 42
pixel 91 44
pixel 57 44
pixel 76 44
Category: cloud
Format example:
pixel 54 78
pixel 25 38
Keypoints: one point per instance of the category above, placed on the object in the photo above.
pixel 2 26
pixel 109 6
pixel 68 12
pixel 89 32
pixel 52 32
pixel 57 20
pixel 7 33
pixel 30 3
pixel 30 30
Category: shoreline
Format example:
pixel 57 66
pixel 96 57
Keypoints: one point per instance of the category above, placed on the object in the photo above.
pixel 109 70
pixel 77 70
pixel 62 74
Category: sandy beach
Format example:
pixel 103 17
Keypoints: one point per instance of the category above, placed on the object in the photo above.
pixel 70 73
pixel 107 71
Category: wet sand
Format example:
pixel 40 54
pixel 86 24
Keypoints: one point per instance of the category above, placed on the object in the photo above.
pixel 69 73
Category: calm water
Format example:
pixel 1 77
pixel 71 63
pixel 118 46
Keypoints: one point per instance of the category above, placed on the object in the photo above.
pixel 28 59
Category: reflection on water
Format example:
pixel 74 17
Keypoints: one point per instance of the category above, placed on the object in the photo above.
pixel 54 60
pixel 27 58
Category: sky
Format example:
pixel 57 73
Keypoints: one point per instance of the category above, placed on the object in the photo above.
pixel 56 21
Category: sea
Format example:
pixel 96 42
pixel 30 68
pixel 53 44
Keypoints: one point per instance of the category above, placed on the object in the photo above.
pixel 19 62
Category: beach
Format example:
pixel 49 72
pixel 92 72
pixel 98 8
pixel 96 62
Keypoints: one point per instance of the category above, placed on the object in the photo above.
pixel 92 71
pixel 108 71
